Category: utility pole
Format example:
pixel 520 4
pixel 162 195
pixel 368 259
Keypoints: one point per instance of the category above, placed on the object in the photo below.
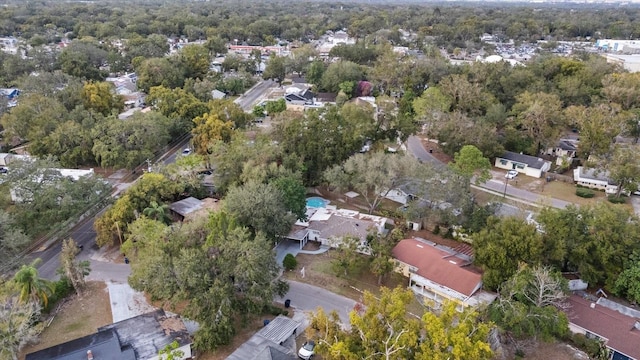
pixel 148 165
pixel 506 181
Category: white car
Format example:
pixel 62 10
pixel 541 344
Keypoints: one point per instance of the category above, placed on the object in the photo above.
pixel 307 350
pixel 186 151
pixel 511 174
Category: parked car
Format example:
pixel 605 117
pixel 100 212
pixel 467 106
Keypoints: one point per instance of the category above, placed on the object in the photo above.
pixel 3 170
pixel 511 174
pixel 186 151
pixel 307 350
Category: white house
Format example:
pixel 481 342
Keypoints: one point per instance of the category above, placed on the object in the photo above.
pixel 440 274
pixel 525 164
pixel 594 179
pixel 330 225
pixel 564 151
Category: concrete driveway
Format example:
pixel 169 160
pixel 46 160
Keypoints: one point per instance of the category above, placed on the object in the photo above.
pixel 286 247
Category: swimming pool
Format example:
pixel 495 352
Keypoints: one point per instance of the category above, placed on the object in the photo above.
pixel 316 202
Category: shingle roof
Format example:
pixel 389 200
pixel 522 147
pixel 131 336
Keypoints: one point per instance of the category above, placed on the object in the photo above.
pixel 340 226
pixel 619 329
pixel 439 266
pixel 531 161
pixel 103 345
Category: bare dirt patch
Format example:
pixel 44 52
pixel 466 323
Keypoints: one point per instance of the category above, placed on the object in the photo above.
pixel 76 317
pixel 436 151
pixel 554 351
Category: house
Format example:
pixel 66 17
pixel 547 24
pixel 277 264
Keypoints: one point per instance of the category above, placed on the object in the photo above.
pixel 10 94
pixel 191 208
pixel 217 94
pixel 137 338
pixel 5 159
pixel 594 179
pixel 525 164
pixel 617 328
pixel 330 225
pixel 275 341
pixel 565 151
pixel 294 95
pixel 440 274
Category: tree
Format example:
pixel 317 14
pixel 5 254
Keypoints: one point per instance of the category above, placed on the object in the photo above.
pixel 97 96
pixel 540 117
pixel 12 239
pixel 277 106
pixel 339 72
pixel 430 107
pixel 74 271
pixel 530 304
pixel 158 72
pixel 289 262
pixel 347 257
pixel 126 144
pixel 628 283
pixel 624 169
pixel 225 272
pixel 275 68
pixel 373 175
pixel 194 61
pixel 35 117
pixel 32 287
pixel 83 59
pixel 113 224
pixel 383 329
pixel 598 125
pixel 208 129
pixel 261 208
pixel 470 161
pixel 158 212
pixel 502 246
pixel 382 262
pixel 18 326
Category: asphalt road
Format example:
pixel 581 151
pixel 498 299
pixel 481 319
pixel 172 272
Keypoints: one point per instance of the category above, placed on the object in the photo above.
pixel 309 298
pixel 249 99
pixel 83 234
pixel 414 145
pixel 528 196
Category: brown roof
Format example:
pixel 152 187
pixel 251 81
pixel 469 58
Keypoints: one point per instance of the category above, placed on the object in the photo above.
pixel 617 328
pixel 339 226
pixel 439 266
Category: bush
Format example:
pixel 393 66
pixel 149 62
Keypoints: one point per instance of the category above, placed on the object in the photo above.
pixel 436 230
pixel 289 262
pixel 585 193
pixel 594 348
pixel 274 310
pixel 617 199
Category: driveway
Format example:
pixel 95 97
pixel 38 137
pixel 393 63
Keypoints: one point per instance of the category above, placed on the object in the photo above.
pixel 414 146
pixel 308 298
pixel 286 247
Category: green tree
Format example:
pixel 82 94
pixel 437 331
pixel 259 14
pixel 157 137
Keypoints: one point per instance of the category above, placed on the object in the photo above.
pixel 502 246
pixel 12 238
pixel 628 283
pixel 373 175
pixel 158 212
pixel 83 59
pixel 158 72
pixel 624 169
pixel 275 69
pixel 339 72
pixel 540 117
pixel 289 262
pixel 469 162
pixel 277 106
pixel 260 207
pixel 98 96
pixel 32 287
pixel 194 61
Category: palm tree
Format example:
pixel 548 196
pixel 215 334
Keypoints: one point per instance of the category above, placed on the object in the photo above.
pixel 157 212
pixel 32 287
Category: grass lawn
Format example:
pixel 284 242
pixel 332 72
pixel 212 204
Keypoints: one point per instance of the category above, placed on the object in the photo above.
pixel 567 192
pixel 77 317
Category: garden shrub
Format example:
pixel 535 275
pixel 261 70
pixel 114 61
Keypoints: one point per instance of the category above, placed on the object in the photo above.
pixel 289 262
pixel 585 192
pixel 617 199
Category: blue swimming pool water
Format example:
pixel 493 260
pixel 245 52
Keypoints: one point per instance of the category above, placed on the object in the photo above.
pixel 316 202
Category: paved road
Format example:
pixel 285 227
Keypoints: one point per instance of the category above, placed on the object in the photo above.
pixel 249 99
pixel 528 196
pixel 84 234
pixel 306 298
pixel 414 145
